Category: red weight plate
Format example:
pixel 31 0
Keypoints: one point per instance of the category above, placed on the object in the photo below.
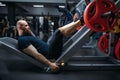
pixel 103 43
pixel 117 50
pixel 93 15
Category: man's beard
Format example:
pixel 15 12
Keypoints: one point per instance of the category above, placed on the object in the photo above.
pixel 26 32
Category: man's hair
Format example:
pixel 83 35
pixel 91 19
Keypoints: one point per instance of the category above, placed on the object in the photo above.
pixel 19 23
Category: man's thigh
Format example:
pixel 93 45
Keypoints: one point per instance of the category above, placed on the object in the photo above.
pixel 55 45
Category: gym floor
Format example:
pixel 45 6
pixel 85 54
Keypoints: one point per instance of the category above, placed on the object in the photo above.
pixel 23 70
pixel 78 75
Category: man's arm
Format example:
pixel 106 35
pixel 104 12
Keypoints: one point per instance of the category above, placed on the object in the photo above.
pixel 31 50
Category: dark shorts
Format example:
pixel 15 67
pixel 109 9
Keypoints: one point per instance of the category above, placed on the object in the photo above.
pixel 55 45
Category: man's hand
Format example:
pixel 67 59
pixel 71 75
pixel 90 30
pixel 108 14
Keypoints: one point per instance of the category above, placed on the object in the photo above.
pixel 54 67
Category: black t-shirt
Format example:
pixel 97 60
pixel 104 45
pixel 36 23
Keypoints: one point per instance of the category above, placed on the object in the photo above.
pixel 25 41
pixel 51 51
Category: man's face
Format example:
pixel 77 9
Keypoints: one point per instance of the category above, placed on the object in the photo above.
pixel 25 27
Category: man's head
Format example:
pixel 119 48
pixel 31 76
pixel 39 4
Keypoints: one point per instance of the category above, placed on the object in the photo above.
pixel 23 27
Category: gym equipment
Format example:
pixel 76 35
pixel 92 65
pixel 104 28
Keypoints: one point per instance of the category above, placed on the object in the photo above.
pixel 116 28
pixel 81 6
pixel 118 4
pixel 100 15
pixel 117 50
pixel 103 43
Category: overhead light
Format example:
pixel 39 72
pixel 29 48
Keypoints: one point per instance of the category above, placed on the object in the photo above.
pixel 38 5
pixel 1 4
pixel 61 6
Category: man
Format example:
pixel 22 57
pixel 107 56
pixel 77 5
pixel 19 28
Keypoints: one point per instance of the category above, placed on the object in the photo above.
pixel 40 50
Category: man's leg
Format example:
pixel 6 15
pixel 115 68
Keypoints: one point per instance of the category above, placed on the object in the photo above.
pixel 56 42
pixel 69 28
pixel 55 45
